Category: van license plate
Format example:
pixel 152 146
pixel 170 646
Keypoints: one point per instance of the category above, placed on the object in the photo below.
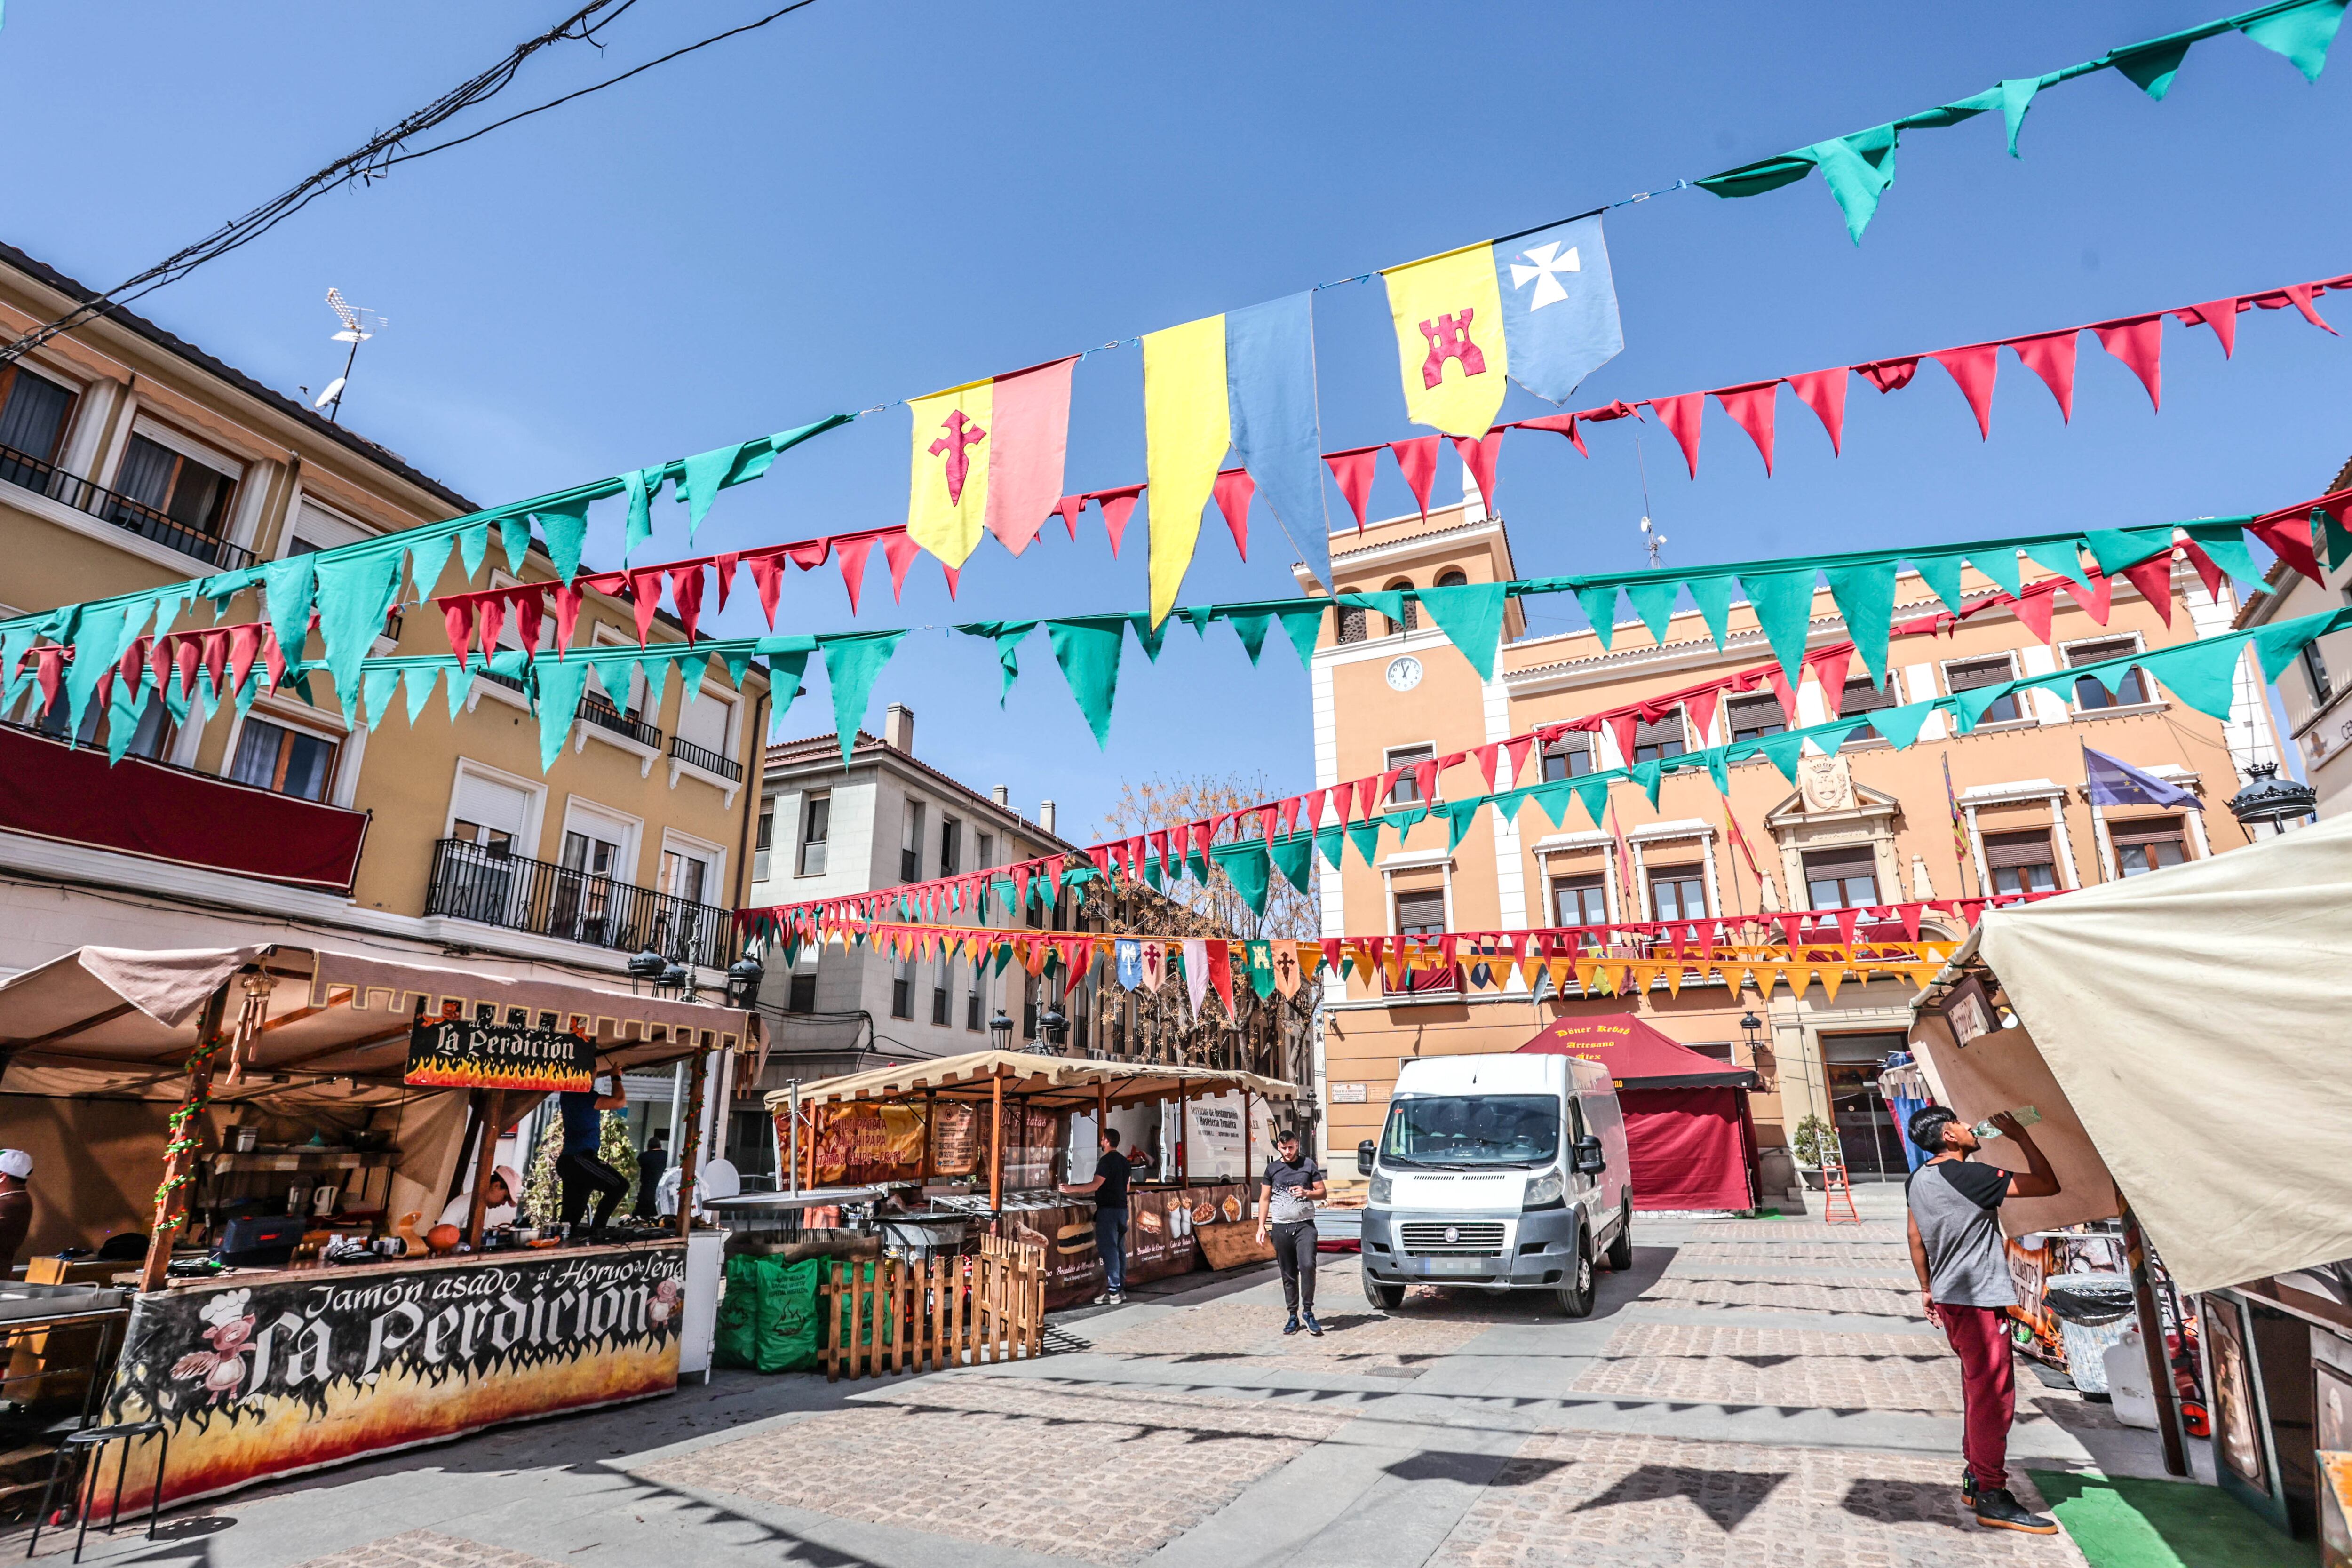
pixel 1454 1264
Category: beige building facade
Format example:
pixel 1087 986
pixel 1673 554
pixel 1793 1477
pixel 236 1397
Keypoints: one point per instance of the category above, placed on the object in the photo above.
pixel 1869 825
pixel 2317 692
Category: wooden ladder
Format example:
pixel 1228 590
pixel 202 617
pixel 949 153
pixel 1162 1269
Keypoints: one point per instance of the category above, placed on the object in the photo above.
pixel 1836 1184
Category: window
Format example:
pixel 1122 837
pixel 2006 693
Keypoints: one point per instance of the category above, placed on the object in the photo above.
pixel 1969 674
pixel 951 846
pixel 487 814
pixel 703 722
pixel 33 413
pixel 762 844
pixel 800 996
pixel 939 1019
pixel 2021 862
pixel 1678 893
pixel 153 733
pixel 1755 717
pixel 1844 878
pixel 1579 900
pixel 816 817
pixel 686 875
pixel 972 1002
pixel 181 489
pixel 1420 914
pixel 985 855
pixel 2314 674
pixel 1654 740
pixel 1352 623
pixel 1453 577
pixel 588 853
pixel 2090 692
pixel 902 989
pixel 1860 696
pixel 286 761
pixel 1412 609
pixel 2146 844
pixel 910 843
pixel 1407 790
pixel 1571 757
pixel 1029 1008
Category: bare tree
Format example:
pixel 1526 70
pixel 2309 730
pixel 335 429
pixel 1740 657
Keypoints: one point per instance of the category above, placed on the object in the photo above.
pixel 1156 803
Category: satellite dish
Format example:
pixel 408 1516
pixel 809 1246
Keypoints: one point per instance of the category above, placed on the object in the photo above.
pixel 334 390
pixel 355 333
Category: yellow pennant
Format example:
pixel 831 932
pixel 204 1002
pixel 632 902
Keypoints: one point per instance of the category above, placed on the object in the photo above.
pixel 1448 311
pixel 1187 426
pixel 947 497
pixel 1832 976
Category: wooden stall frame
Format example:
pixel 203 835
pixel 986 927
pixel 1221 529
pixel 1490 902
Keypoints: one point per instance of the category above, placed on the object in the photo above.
pixel 896 1315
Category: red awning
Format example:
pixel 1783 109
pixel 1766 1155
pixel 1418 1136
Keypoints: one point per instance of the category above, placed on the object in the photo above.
pixel 1637 1054
pixel 67 793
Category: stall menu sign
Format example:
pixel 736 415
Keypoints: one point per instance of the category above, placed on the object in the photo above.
pixel 465 1053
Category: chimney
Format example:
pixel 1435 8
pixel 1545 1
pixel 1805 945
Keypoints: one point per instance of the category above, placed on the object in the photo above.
pixel 1002 795
pixel 1045 815
pixel 898 727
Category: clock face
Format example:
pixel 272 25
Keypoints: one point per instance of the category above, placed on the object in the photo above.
pixel 1404 672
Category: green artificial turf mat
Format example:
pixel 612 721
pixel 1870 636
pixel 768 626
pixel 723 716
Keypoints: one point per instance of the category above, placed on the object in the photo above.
pixel 2128 1523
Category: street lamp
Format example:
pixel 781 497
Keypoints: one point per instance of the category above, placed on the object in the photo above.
pixel 1053 1030
pixel 2268 798
pixel 1000 1031
pixel 743 977
pixel 647 966
pixel 1752 1028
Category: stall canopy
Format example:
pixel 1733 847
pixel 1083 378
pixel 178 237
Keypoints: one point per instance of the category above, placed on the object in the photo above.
pixel 2195 1019
pixel 1686 1124
pixel 1042 1083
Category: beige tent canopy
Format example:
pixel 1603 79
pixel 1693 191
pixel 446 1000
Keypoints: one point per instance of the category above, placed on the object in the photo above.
pixel 2197 1022
pixel 1049 1082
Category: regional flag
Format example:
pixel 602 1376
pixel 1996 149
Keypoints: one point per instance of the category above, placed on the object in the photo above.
pixel 987 455
pixel 1559 306
pixel 1130 962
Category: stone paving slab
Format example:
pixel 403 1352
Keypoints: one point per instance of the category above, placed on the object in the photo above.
pixel 1678 1361
pixel 1099 1472
pixel 426 1549
pixel 1796 1232
pixel 1785 1295
pixel 1815 1252
pixel 1652 1502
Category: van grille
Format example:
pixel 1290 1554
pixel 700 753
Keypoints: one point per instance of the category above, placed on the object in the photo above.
pixel 1470 1238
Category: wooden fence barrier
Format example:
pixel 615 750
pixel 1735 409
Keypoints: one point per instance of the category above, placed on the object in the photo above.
pixel 897 1315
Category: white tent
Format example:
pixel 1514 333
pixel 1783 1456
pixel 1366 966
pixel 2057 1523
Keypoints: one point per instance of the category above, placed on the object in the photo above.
pixel 2198 1023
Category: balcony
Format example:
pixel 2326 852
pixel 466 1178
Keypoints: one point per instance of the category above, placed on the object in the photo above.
pixel 28 472
pixel 597 710
pixel 472 882
pixel 685 751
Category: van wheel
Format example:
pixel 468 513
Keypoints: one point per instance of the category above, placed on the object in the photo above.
pixel 1387 1298
pixel 1621 1251
pixel 1576 1296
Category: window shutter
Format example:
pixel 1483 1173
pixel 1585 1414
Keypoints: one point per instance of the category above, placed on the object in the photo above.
pixel 2019 849
pixel 1847 861
pixel 1420 910
pixel 2144 830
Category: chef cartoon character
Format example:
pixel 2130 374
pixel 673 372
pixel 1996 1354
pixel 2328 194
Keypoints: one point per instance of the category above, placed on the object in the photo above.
pixel 221 1369
pixel 665 1303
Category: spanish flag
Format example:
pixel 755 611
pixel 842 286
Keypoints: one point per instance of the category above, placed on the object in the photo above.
pixel 987 455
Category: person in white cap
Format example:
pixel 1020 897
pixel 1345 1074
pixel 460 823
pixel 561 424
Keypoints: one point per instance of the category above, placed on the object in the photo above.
pixel 15 1206
pixel 498 1209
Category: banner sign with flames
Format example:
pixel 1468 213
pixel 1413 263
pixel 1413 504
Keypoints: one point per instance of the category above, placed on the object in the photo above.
pixel 464 1053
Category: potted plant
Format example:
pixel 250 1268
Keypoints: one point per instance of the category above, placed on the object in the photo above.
pixel 1817 1144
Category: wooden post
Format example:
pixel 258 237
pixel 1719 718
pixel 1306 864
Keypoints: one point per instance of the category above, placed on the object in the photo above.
pixel 493 1107
pixel 1183 1144
pixel 688 1157
pixel 179 1156
pixel 1245 1140
pixel 930 1129
pixel 995 1147
pixel 2151 1333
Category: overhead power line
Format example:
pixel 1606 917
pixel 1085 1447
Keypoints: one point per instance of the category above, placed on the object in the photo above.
pixel 378 156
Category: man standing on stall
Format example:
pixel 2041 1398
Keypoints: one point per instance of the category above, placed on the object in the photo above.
pixel 1287 1204
pixel 1963 1269
pixel 1109 1189
pixel 580 1166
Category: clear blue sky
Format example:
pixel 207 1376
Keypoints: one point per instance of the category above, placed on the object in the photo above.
pixel 862 203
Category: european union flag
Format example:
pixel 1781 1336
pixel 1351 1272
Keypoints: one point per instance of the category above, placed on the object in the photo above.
pixel 1559 306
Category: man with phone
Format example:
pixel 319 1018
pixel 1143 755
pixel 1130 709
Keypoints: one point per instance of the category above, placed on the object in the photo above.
pixel 1286 1208
pixel 1963 1270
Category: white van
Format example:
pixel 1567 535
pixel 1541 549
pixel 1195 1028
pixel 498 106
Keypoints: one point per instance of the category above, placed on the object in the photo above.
pixel 1506 1172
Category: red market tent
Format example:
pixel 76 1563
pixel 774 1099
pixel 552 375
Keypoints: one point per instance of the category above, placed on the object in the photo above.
pixel 1686 1124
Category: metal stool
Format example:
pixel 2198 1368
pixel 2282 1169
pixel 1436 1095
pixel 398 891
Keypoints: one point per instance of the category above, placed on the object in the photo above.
pixel 95 1439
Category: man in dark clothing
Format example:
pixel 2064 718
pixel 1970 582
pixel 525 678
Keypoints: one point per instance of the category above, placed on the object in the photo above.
pixel 1286 1208
pixel 580 1165
pixel 15 1206
pixel 1112 1172
pixel 1963 1269
pixel 652 1161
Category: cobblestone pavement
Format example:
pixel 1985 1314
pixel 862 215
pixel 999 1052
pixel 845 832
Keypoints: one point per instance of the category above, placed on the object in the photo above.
pixel 1778 1366
pixel 1095 1471
pixel 426 1549
pixel 1645 1502
pixel 1892 1299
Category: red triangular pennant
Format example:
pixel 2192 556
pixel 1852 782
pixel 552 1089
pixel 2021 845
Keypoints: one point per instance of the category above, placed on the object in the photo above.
pixel 1973 369
pixel 2033 613
pixel 1889 374
pixel 2153 578
pixel 2051 356
pixel 1117 506
pixel 1751 405
pixel 684 593
pixel 1233 489
pixel 768 577
pixel 1558 423
pixel 1479 456
pixel 1067 509
pixel 2221 315
pixel 1823 392
pixel 852 551
pixel 2138 341
pixel 644 599
pixel 900 549
pixel 1681 417
pixel 1417 461
pixel 1353 470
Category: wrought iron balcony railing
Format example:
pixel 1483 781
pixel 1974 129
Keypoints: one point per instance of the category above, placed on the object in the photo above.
pixel 474 882
pixel 686 752
pixel 29 472
pixel 600 712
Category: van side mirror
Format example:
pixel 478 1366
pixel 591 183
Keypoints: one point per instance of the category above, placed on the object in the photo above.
pixel 1590 1158
pixel 1364 1158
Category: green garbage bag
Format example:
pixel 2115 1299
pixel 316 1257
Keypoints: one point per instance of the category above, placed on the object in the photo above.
pixel 737 1339
pixel 877 1323
pixel 767 1318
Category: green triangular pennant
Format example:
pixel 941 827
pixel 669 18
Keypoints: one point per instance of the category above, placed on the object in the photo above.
pixel 1601 611
pixel 1304 628
pixel 1647 774
pixel 1865 598
pixel 1471 616
pixel 514 538
pixel 427 558
pixel 2224 545
pixel 2000 566
pixel 1246 866
pixel 1252 630
pixel 2117 548
pixel 2302 34
pixel 1783 751
pixel 1900 726
pixel 1593 793
pixel 1783 603
pixel 1858 169
pixel 1713 597
pixel 2200 673
pixel 287 587
pixel 1366 838
pixel 564 525
pixel 702 475
pixel 561 682
pixel 2150 67
pixel 473 543
pixel 1087 650
pixel 2060 555
pixel 1941 573
pixel 1294 856
pixel 1654 604
pixel 852 660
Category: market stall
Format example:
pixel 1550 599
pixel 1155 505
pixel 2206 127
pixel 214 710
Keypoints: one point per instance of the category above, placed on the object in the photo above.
pixel 978 1143
pixel 1687 1128
pixel 2180 1037
pixel 272 1341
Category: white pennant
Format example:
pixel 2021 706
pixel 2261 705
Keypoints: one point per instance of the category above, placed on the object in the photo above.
pixel 1196 971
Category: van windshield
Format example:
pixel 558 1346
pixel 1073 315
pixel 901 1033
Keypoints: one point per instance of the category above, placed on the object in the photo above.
pixel 1454 1132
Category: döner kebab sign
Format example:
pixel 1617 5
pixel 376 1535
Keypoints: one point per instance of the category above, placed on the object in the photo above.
pixel 465 1053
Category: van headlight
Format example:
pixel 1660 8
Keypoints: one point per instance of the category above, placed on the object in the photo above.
pixel 1546 1192
pixel 1379 1196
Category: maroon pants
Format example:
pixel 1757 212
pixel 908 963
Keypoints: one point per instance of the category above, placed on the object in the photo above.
pixel 1980 1337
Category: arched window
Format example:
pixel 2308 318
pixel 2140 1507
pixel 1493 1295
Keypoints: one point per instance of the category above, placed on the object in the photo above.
pixel 1412 610
pixel 1352 623
pixel 1453 577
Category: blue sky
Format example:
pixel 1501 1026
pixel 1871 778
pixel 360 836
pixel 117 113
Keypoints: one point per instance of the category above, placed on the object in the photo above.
pixel 860 203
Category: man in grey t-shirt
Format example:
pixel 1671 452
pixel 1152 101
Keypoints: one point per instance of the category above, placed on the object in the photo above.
pixel 1286 1207
pixel 1963 1268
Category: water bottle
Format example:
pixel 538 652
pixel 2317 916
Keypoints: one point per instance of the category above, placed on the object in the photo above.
pixel 2024 1116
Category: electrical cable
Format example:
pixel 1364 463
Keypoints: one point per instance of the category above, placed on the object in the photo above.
pixel 373 159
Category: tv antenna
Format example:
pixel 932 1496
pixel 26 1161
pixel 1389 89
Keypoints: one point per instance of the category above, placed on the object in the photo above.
pixel 1652 540
pixel 355 333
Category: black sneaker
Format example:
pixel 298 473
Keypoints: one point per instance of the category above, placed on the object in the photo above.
pixel 1997 1509
pixel 1313 1327
pixel 1291 1327
pixel 1969 1487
